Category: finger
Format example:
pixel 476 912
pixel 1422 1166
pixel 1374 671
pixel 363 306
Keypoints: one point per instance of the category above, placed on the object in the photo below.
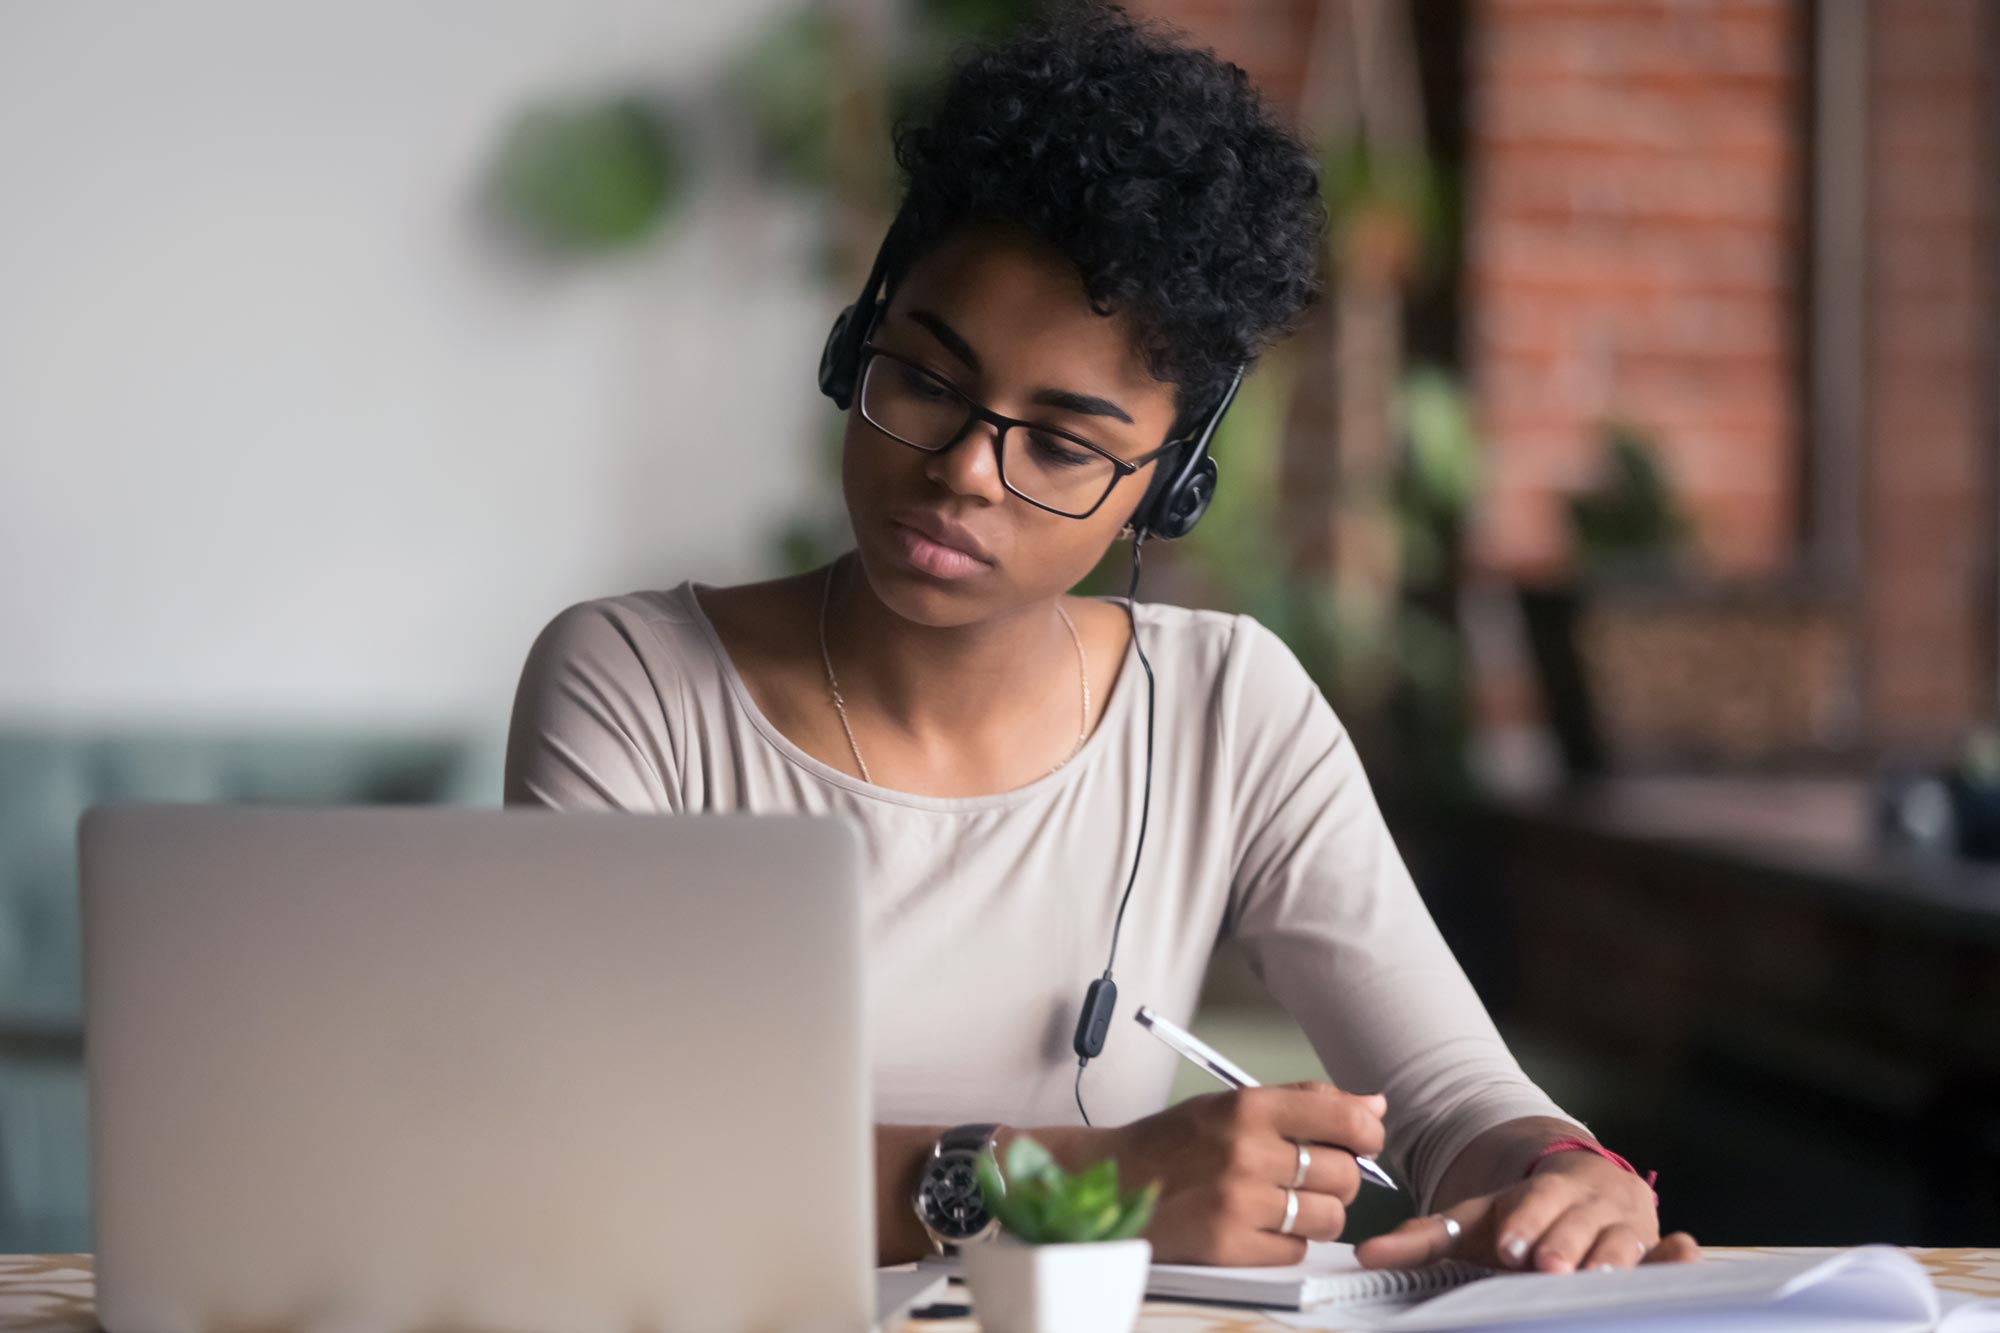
pixel 1562 1247
pixel 1617 1246
pixel 1523 1213
pixel 1679 1248
pixel 1318 1216
pixel 1259 1249
pixel 1423 1239
pixel 1268 1158
pixel 1322 1113
pixel 1328 1170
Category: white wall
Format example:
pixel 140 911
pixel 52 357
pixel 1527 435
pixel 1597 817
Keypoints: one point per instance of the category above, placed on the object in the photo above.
pixel 285 433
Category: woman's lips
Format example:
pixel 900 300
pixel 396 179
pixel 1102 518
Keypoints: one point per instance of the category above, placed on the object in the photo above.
pixel 934 558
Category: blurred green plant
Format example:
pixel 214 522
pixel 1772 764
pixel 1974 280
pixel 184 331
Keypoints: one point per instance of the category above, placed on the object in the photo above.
pixel 1041 1204
pixel 788 81
pixel 1439 477
pixel 1441 473
pixel 1231 548
pixel 590 177
pixel 1630 522
pixel 1238 553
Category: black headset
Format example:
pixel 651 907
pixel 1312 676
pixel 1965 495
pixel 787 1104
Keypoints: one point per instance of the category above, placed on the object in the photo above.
pixel 1176 498
pixel 1178 493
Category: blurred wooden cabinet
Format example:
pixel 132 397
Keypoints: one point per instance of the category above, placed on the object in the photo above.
pixel 1844 991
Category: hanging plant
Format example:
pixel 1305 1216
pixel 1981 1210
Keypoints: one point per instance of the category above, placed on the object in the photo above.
pixel 1390 209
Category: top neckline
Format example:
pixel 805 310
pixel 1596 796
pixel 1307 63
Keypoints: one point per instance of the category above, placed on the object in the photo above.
pixel 1110 719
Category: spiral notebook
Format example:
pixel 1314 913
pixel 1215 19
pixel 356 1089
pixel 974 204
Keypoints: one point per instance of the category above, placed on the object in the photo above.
pixel 1328 1275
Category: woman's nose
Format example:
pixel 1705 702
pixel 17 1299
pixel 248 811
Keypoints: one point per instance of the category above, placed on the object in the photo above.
pixel 971 466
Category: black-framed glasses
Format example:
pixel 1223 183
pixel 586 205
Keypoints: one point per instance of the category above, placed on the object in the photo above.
pixel 1045 465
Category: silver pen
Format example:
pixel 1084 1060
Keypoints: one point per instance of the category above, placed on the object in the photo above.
pixel 1198 1052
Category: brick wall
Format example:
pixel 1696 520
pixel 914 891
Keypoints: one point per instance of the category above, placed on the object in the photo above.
pixel 1268 38
pixel 1635 248
pixel 1633 242
pixel 1929 512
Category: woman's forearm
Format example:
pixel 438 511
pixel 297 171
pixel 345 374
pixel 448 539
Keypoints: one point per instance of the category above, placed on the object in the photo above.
pixel 900 1151
pixel 1499 1158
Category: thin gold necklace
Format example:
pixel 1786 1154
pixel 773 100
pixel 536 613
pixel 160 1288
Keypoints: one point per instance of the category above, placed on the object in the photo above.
pixel 840 705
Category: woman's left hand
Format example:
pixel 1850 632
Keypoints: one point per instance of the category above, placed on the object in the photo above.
pixel 1574 1211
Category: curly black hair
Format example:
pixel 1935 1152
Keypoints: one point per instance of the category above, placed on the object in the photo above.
pixel 1155 167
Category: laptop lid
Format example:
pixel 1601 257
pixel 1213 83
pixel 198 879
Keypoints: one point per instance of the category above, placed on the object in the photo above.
pixel 493 1069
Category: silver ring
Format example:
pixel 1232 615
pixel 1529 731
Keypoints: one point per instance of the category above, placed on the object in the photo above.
pixel 1291 1212
pixel 1451 1227
pixel 1305 1160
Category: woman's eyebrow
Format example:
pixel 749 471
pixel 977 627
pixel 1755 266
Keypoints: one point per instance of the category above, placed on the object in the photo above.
pixel 1083 404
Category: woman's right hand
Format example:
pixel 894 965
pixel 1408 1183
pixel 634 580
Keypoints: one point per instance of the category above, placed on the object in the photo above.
pixel 1225 1159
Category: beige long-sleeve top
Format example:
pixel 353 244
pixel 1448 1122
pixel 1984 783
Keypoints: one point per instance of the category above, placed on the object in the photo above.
pixel 987 916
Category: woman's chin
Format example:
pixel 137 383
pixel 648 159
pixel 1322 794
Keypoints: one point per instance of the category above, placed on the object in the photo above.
pixel 924 598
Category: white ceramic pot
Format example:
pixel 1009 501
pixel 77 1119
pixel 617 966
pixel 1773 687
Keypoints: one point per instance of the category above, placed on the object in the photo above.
pixel 1092 1288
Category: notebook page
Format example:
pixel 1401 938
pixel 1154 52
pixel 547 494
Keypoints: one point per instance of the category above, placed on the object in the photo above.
pixel 1875 1286
pixel 1324 1258
pixel 1967 1314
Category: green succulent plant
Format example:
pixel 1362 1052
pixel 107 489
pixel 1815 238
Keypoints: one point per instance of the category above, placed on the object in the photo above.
pixel 1040 1203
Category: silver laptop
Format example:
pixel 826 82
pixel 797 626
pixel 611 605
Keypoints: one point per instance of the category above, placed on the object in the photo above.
pixel 475 1069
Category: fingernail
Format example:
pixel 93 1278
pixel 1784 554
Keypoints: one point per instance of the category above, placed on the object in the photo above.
pixel 1381 1102
pixel 1605 1268
pixel 1517 1250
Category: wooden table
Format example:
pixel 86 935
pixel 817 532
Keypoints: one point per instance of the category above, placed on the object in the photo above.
pixel 51 1293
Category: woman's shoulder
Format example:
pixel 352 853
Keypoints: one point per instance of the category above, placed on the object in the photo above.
pixel 688 632
pixel 1232 669
pixel 1215 648
pixel 653 627
pixel 599 714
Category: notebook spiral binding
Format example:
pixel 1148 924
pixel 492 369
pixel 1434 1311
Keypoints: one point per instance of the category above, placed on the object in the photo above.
pixel 1385 1283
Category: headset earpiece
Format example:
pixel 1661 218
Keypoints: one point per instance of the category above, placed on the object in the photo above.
pixel 1185 505
pixel 840 359
pixel 1174 505
pixel 835 380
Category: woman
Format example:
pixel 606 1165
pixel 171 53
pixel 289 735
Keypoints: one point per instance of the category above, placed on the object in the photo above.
pixel 1100 229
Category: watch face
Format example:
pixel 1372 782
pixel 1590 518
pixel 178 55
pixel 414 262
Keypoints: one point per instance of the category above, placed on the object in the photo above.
pixel 949 1196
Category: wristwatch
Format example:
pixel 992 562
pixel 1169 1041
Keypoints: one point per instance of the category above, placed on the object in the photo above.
pixel 947 1195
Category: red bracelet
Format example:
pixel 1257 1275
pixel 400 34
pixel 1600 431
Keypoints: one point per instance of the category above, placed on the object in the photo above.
pixel 1585 1145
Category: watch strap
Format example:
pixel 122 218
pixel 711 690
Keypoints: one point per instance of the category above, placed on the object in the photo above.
pixel 965 1138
